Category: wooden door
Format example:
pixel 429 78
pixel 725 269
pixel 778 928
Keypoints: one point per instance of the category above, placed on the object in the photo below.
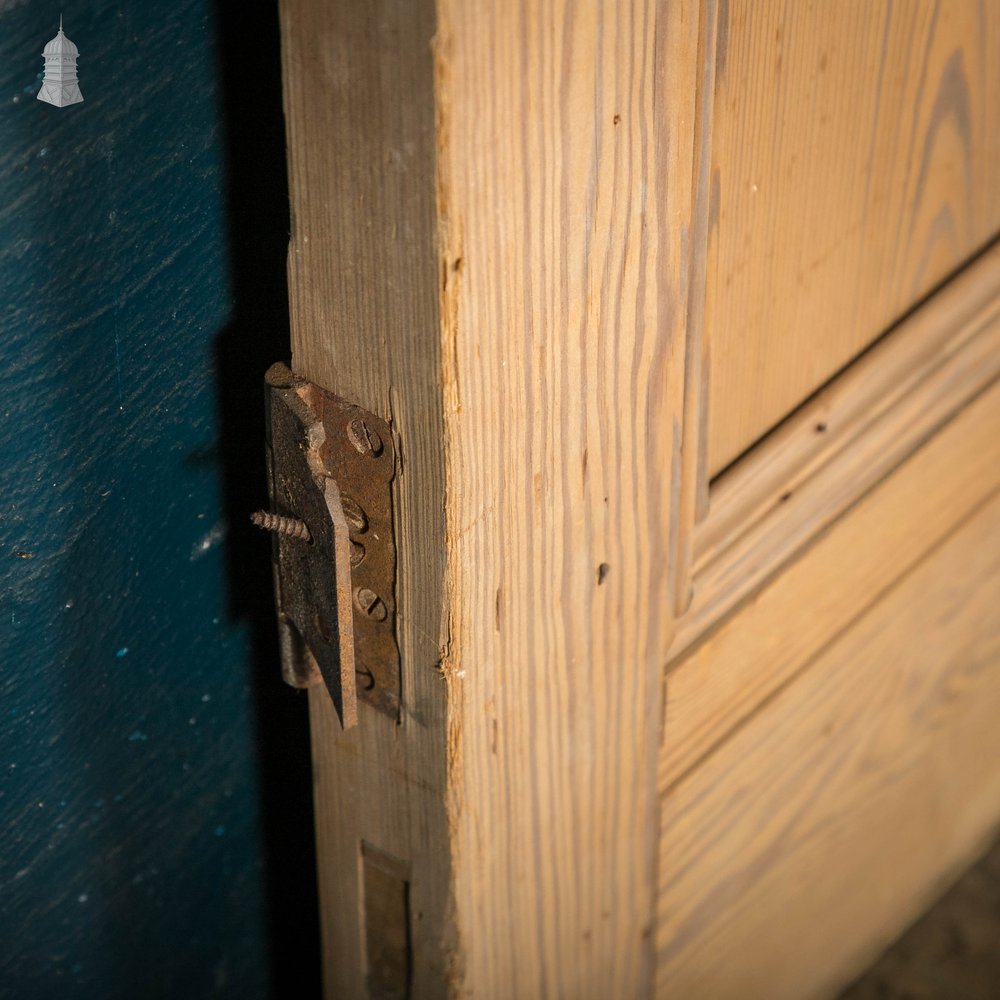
pixel 685 317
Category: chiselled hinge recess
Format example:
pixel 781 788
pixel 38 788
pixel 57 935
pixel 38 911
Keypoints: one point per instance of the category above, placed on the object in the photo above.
pixel 330 468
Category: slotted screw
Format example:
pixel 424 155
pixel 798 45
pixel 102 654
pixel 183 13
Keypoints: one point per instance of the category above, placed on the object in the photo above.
pixel 355 515
pixel 364 437
pixel 372 605
pixel 290 527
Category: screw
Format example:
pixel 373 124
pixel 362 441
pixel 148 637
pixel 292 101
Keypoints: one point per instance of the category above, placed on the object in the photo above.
pixel 354 515
pixel 364 438
pixel 372 605
pixel 290 527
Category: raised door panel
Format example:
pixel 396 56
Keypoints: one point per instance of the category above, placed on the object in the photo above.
pixel 803 844
pixel 855 150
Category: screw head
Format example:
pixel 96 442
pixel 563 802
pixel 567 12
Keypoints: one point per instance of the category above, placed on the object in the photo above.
pixel 364 437
pixel 371 604
pixel 354 515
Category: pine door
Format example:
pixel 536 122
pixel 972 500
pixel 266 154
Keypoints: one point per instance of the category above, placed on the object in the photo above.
pixel 686 317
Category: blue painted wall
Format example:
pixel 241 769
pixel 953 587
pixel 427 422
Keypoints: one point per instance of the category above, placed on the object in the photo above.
pixel 154 791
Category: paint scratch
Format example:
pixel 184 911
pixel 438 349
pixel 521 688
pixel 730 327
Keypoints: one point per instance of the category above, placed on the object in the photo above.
pixel 118 364
pixel 208 541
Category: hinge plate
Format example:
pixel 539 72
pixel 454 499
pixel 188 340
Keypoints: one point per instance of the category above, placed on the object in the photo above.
pixel 331 465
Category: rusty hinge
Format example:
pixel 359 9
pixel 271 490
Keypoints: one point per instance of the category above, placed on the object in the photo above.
pixel 330 466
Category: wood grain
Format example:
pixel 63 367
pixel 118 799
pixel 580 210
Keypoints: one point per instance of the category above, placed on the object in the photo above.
pixel 851 405
pixel 498 216
pixel 364 284
pixel 525 332
pixel 810 838
pixel 566 159
pixel 855 155
pixel 692 492
pixel 840 444
pixel 770 640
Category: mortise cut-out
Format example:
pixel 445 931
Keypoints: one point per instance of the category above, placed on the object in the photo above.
pixel 388 943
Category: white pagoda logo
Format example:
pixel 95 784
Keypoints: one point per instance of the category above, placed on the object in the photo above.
pixel 59 85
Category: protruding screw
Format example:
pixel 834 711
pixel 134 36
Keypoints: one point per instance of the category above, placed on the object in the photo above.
pixel 290 527
pixel 372 605
pixel 364 437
